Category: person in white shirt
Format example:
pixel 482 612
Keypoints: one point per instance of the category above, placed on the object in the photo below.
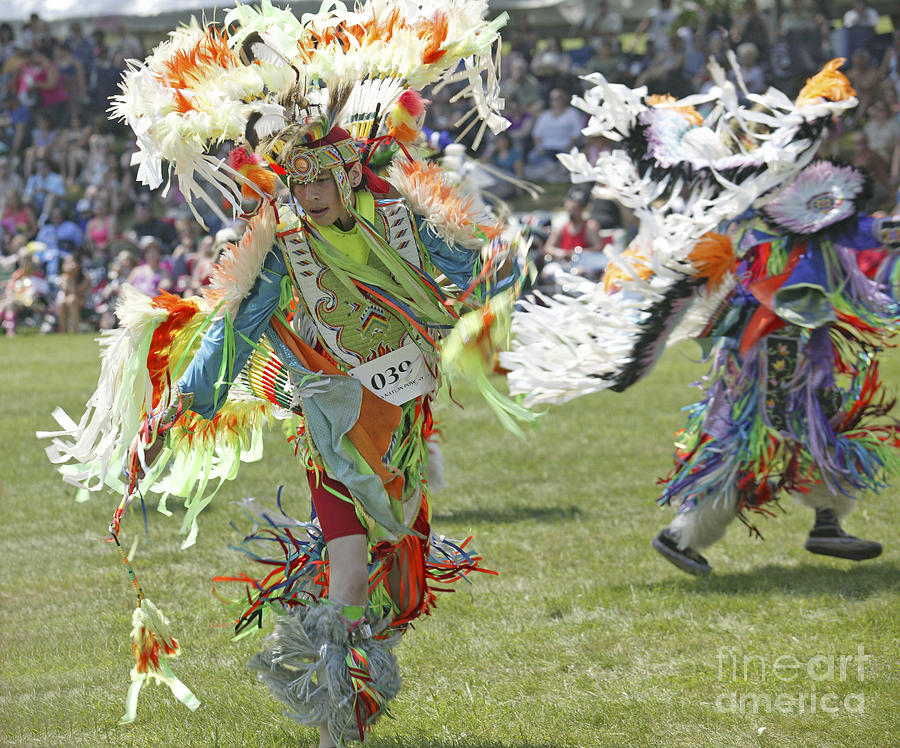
pixel 860 15
pixel 558 128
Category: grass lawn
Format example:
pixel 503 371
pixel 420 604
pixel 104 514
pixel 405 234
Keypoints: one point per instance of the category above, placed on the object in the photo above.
pixel 587 637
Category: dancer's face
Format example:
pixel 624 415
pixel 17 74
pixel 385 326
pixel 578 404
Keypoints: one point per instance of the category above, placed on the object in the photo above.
pixel 321 200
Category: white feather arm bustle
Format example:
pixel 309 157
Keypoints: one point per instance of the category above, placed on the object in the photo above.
pixel 451 210
pixel 240 265
pixel 96 444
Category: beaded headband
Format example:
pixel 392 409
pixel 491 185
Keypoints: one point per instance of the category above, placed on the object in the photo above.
pixel 307 164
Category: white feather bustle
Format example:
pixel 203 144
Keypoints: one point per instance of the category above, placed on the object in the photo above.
pixel 240 265
pixel 575 344
pixel 451 212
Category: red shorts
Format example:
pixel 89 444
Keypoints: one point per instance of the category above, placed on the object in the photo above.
pixel 337 517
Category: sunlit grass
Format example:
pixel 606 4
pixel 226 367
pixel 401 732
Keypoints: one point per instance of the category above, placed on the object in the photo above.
pixel 587 637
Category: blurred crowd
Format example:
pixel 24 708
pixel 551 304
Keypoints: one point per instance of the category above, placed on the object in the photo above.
pixel 76 225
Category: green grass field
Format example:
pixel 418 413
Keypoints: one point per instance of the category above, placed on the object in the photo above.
pixel 587 637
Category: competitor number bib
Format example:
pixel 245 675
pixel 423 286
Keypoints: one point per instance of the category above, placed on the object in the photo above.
pixel 398 376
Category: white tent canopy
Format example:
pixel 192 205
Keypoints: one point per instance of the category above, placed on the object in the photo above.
pixel 55 10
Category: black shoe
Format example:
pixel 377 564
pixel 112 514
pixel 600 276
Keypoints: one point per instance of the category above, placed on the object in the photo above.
pixel 828 538
pixel 686 559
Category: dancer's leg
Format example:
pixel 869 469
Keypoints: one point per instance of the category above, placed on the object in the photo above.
pixel 827 537
pixel 348 554
pixel 695 529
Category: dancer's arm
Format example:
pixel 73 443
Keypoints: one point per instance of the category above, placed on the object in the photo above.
pixel 227 344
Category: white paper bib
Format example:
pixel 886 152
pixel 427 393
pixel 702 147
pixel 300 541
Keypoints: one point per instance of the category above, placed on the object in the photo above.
pixel 398 376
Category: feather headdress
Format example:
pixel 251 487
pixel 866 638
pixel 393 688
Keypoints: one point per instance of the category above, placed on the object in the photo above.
pixel 268 77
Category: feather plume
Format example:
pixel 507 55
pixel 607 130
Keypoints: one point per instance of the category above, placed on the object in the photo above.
pixel 453 215
pixel 684 177
pixel 206 85
pixel 240 266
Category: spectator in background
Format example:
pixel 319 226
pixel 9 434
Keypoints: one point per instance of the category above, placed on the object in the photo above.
pixel 96 166
pixel 718 19
pixel 604 26
pixel 19 216
pixel 71 73
pixel 577 232
pixel 54 100
pixel 556 130
pixel 7 42
pixel 666 74
pixel 522 40
pixel 60 237
pixel 783 76
pixel 823 21
pixel 657 24
pixel 43 141
pixel 73 296
pixel 521 123
pixel 82 49
pixel 606 214
pixel 146 224
pixel 883 134
pixel 23 68
pixel 752 73
pixel 519 82
pixel 31 31
pixel 872 162
pixel 7 50
pixel 694 56
pixel 73 148
pixel 101 229
pixel 890 63
pixel 861 16
pixel 188 230
pixel 751 26
pixel 178 264
pixel 637 64
pixel 716 46
pixel 10 181
pixel 125 46
pixel 503 157
pixel 105 79
pixel 551 65
pixel 150 277
pixel 26 291
pixel 801 33
pixel 45 187
pixel 119 270
pixel 603 61
pixel 865 78
pixel 208 251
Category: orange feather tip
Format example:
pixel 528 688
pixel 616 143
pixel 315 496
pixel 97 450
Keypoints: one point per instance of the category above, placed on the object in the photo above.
pixel 829 84
pixel 686 111
pixel 713 258
pixel 615 274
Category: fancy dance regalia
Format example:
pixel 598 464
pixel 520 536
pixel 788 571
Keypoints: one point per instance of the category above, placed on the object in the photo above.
pixel 347 331
pixel 750 246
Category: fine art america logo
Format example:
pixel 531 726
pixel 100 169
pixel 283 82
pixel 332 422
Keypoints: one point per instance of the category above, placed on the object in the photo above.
pixel 803 685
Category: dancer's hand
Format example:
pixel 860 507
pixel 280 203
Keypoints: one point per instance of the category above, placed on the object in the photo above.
pixel 155 428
